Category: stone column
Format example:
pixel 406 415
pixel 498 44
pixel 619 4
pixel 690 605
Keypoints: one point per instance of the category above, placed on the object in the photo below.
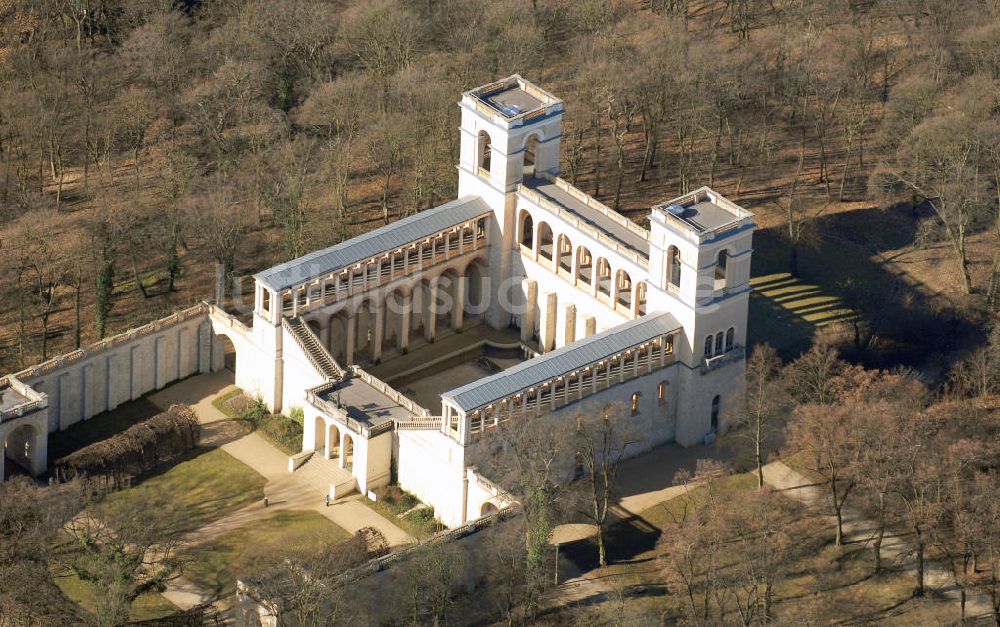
pixel 404 324
pixel 548 312
pixel 530 288
pixel 327 426
pixel 340 453
pixel 379 332
pixel 569 330
pixel 430 324
pixel 352 331
pixel 589 326
pixel 458 306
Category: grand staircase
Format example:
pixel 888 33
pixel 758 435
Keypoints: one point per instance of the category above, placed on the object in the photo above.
pixel 320 473
pixel 318 356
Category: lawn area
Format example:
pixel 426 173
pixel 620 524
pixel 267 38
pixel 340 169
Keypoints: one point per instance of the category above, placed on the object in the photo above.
pixel 824 585
pixel 199 487
pixel 392 501
pixel 283 432
pixel 147 607
pixel 215 566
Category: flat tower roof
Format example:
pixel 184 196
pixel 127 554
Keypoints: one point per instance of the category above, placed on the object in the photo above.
pixel 513 97
pixel 703 210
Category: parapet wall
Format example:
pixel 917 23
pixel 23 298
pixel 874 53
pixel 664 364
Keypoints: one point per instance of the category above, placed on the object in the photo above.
pixel 104 375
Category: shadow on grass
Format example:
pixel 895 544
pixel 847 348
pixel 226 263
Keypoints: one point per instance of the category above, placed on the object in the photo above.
pixel 879 317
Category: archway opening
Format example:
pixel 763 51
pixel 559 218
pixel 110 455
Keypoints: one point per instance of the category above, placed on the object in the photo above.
pixel 565 254
pixel 530 149
pixel 545 244
pixel 640 291
pixel 347 455
pixel 623 286
pixel 227 350
pixel 320 438
pixel 337 341
pixel 585 265
pixel 475 288
pixel 488 508
pixel 19 451
pixel 716 406
pixel 527 230
pixel 674 269
pixel 720 269
pixel 485 153
pixel 603 277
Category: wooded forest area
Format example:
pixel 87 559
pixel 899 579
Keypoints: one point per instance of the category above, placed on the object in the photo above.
pixel 142 143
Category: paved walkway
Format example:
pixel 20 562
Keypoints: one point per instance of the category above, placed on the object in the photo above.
pixel 895 548
pixel 285 491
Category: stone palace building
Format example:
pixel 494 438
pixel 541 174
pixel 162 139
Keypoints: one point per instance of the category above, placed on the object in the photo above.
pixel 524 296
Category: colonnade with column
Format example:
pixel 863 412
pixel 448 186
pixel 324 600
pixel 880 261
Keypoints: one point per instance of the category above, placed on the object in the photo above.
pixel 611 285
pixel 365 328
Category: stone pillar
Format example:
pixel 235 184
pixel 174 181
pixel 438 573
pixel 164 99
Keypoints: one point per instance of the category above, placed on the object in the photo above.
pixel 548 312
pixel 530 289
pixel 379 331
pixel 329 445
pixel 404 324
pixel 589 326
pixel 430 324
pixel 458 306
pixel 569 330
pixel 340 453
pixel 352 331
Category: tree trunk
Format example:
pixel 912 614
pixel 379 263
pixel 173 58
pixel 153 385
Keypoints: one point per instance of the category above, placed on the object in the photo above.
pixel 919 592
pixel 880 535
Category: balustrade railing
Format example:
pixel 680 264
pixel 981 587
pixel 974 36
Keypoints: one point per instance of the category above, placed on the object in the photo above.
pixel 386 271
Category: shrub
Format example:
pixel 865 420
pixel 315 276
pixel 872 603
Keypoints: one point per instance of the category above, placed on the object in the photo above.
pixel 141 447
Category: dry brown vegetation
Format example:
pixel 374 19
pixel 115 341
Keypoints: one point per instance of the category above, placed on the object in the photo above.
pixel 142 143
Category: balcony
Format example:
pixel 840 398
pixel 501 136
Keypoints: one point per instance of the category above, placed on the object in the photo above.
pixel 736 353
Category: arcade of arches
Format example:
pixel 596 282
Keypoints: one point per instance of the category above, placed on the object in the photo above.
pixel 577 265
pixel 380 323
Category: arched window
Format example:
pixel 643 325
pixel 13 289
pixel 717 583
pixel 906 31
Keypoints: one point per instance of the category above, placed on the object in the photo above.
pixel 718 343
pixel 565 253
pixel 527 230
pixel 585 265
pixel 530 147
pixel 624 288
pixel 485 153
pixel 716 406
pixel 708 347
pixel 674 266
pixel 545 240
pixel 635 403
pixel 603 276
pixel 661 392
pixel 720 269
pixel 730 339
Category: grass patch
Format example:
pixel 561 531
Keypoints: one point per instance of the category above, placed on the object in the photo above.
pixel 281 431
pixel 148 606
pixel 216 565
pixel 822 585
pixel 391 501
pixel 223 403
pixel 200 486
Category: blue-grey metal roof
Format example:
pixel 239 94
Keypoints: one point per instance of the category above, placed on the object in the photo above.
pixel 561 361
pixel 362 247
